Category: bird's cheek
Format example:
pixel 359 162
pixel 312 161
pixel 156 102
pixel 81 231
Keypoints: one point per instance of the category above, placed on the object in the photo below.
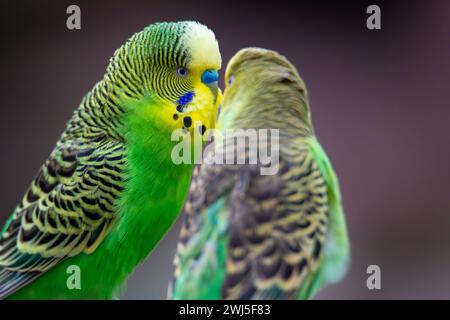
pixel 205 104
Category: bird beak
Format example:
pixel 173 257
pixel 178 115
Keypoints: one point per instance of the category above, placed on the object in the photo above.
pixel 210 78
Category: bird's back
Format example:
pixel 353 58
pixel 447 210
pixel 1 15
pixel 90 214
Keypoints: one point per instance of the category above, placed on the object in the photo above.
pixel 252 236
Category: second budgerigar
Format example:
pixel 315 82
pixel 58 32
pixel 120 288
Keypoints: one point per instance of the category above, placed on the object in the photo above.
pixel 249 235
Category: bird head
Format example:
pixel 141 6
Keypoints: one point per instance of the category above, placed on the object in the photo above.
pixel 262 87
pixel 170 73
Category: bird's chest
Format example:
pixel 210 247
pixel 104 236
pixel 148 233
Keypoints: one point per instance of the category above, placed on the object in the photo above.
pixel 149 206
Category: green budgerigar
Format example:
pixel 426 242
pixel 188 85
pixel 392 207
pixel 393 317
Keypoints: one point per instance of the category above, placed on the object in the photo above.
pixel 110 189
pixel 254 235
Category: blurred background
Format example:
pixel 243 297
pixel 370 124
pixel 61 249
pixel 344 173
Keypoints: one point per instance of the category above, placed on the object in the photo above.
pixel 380 105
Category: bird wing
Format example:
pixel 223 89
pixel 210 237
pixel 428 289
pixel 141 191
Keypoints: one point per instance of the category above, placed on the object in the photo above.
pixel 196 256
pixel 69 208
pixel 276 231
pixel 260 237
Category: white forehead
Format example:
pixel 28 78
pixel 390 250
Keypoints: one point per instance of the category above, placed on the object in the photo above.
pixel 203 46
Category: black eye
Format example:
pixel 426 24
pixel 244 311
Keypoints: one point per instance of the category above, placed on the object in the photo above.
pixel 230 80
pixel 182 72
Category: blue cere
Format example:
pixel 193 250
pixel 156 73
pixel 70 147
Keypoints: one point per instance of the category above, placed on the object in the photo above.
pixel 210 76
pixel 186 98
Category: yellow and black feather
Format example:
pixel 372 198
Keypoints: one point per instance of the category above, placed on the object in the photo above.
pixel 69 208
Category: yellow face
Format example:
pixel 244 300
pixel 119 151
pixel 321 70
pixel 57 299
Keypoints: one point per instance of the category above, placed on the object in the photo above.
pixel 201 110
pixel 195 105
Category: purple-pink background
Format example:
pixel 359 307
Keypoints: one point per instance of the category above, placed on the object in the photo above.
pixel 380 105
